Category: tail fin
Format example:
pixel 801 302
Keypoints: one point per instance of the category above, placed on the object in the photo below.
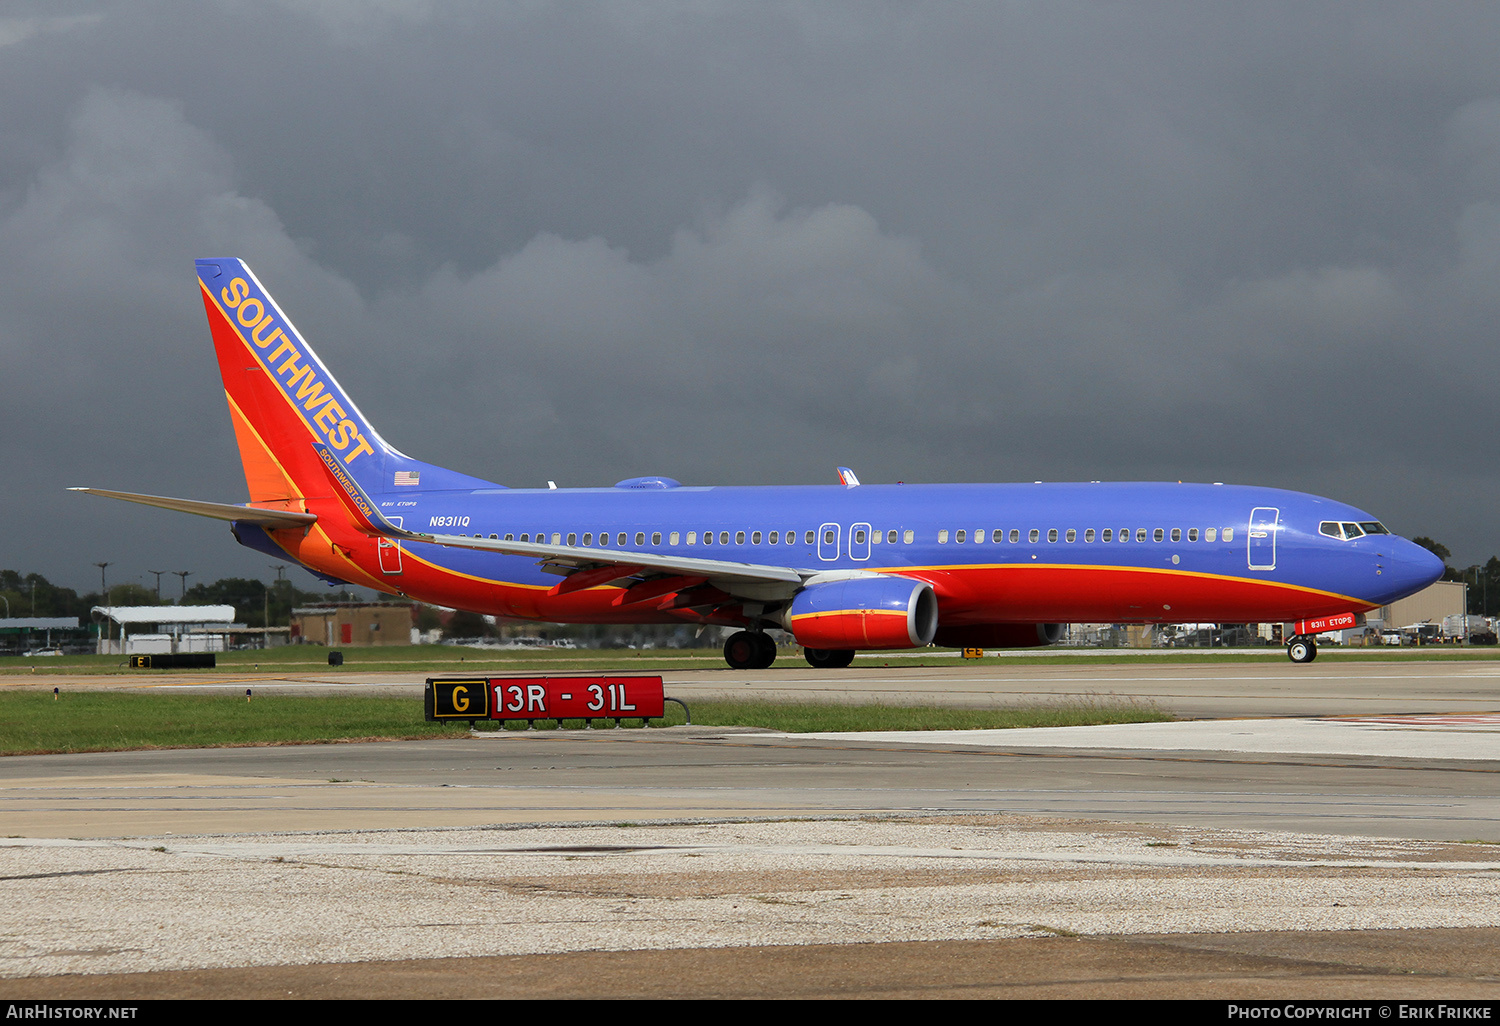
pixel 283 401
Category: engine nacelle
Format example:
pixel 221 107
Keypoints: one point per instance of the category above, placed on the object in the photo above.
pixel 999 635
pixel 864 612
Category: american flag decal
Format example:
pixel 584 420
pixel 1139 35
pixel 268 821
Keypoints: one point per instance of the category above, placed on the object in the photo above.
pixel 408 477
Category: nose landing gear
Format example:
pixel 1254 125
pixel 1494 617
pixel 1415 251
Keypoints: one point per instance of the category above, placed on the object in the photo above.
pixel 1302 649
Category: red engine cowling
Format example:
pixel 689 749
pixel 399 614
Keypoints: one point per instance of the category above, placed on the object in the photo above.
pixel 864 612
pixel 998 635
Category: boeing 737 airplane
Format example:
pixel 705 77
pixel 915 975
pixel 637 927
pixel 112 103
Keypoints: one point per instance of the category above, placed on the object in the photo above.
pixel 841 567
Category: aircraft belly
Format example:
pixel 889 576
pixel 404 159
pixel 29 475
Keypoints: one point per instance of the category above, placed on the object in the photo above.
pixel 1071 594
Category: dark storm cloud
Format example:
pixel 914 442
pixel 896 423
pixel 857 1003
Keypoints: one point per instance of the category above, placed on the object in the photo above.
pixel 744 243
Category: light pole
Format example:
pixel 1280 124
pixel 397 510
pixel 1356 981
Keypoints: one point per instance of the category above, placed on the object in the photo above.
pixel 184 574
pixel 158 574
pixel 104 590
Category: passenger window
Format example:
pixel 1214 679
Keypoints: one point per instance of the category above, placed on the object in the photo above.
pixel 640 537
pixel 1177 534
pixel 909 537
pixel 1052 534
pixel 675 537
pixel 1072 536
pixel 724 537
pixel 1229 534
pixel 692 537
pixel 942 537
pixel 655 537
pixel 494 537
pixel 572 538
pixel 960 536
pixel 556 538
pixel 1088 536
pixel 876 537
pixel 859 537
pixel 739 537
pixel 525 537
pixel 775 537
pixel 588 539
pixel 979 536
pixel 1210 534
pixel 791 537
pixel 620 539
pixel 755 538
pixel 510 537
pixel 708 537
pixel 1108 535
pixel 809 539
pixel 1140 534
pixel 1015 535
pixel 1124 534
pixel 1157 535
pixel 1192 534
pixel 890 537
pixel 997 536
pixel 1034 535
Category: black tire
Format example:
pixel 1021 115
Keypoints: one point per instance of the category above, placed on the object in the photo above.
pixel 828 658
pixel 766 654
pixel 741 650
pixel 1301 650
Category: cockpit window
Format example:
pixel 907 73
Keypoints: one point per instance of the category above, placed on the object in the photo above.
pixel 1348 531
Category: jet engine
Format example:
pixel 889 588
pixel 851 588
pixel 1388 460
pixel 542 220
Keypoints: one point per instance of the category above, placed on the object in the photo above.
pixel 864 612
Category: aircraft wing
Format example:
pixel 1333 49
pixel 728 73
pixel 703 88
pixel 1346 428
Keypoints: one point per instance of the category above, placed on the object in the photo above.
pixel 560 559
pixel 272 518
pixel 570 558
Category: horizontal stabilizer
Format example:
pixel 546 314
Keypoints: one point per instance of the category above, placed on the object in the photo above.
pixel 218 510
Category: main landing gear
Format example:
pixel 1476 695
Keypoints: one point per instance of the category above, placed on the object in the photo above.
pixel 749 650
pixel 1302 649
pixel 829 658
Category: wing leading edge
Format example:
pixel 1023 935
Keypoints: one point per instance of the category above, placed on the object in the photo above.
pixel 564 559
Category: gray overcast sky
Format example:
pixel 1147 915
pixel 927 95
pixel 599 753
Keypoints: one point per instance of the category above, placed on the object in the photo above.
pixel 744 243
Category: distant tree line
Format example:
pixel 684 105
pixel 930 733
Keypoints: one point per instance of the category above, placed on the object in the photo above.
pixel 34 595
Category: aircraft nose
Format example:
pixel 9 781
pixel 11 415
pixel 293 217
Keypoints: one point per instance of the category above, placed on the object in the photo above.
pixel 1411 567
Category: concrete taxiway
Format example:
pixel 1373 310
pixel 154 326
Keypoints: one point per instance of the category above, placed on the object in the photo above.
pixel 1346 798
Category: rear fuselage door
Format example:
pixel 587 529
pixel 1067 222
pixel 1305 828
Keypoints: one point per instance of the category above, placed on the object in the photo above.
pixel 390 550
pixel 1260 540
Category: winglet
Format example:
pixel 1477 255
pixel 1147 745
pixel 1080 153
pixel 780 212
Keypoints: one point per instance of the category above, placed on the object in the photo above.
pixel 847 478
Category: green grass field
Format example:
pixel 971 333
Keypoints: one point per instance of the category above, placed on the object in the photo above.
pixel 33 722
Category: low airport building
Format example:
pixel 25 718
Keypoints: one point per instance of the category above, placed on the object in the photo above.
pixel 352 624
pixel 155 630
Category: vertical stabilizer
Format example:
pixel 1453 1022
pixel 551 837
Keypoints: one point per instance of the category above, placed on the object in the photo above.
pixel 283 401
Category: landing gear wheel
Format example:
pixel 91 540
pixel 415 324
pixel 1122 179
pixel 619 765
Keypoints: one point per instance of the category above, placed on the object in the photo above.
pixel 829 658
pixel 1302 650
pixel 741 650
pixel 766 650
